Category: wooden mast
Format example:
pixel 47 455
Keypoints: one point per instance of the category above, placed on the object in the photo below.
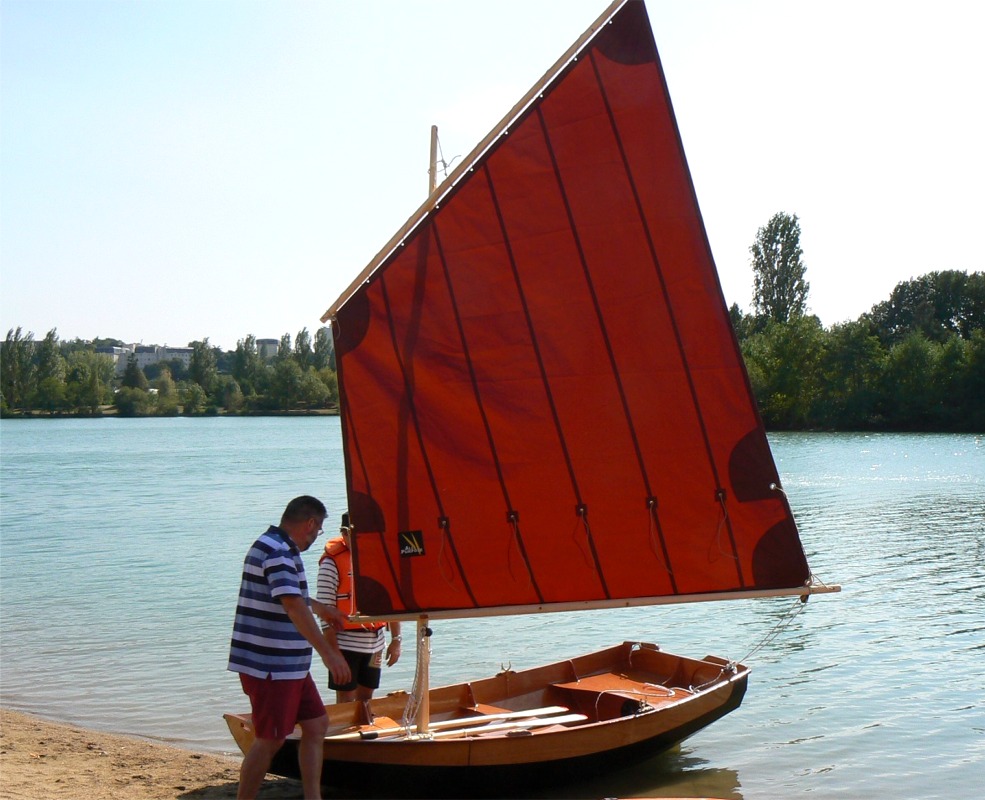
pixel 423 681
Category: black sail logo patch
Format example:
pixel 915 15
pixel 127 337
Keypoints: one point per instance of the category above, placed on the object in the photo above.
pixel 411 543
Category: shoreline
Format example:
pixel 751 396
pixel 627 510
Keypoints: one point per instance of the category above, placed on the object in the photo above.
pixel 41 758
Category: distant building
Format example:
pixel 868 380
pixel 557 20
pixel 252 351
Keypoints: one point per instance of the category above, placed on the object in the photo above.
pixel 183 354
pixel 267 348
pixel 146 354
pixel 119 356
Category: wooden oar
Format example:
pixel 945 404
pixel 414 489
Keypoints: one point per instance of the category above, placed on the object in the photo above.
pixel 481 719
pixel 518 724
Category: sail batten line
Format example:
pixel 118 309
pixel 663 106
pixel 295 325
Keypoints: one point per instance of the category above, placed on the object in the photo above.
pixel 512 514
pixel 590 285
pixel 672 317
pixel 655 525
pixel 473 378
pixel 532 331
pixel 449 284
pixel 408 381
pixel 406 373
pixel 445 527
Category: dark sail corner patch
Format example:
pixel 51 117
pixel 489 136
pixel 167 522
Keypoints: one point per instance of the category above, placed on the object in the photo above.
pixel 411 543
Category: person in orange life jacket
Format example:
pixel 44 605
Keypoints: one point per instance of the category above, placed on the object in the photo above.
pixel 362 645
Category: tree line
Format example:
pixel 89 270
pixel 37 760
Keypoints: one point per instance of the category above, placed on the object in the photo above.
pixel 55 377
pixel 915 362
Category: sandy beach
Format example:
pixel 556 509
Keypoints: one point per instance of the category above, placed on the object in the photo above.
pixel 41 760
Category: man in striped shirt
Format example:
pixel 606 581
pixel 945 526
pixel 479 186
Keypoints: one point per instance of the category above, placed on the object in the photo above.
pixel 273 635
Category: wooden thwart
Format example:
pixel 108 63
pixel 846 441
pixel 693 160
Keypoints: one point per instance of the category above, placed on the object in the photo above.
pixel 519 724
pixel 462 722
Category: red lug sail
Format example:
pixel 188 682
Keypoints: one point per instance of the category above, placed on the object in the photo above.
pixel 543 401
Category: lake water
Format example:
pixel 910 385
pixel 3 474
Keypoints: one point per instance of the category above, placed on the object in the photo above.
pixel 122 542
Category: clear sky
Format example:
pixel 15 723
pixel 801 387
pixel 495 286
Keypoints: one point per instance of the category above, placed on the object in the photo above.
pixel 172 170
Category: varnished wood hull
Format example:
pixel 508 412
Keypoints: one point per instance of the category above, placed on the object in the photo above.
pixel 635 699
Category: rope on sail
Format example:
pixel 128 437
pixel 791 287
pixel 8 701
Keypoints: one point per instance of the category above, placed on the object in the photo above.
pixel 720 497
pixel 657 543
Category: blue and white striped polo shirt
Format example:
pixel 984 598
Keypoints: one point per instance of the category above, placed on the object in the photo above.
pixel 265 641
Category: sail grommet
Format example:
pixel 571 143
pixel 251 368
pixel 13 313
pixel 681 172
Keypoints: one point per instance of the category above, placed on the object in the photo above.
pixel 651 503
pixel 512 516
pixel 443 523
pixel 581 510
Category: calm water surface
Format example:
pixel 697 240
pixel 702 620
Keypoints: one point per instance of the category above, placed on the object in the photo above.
pixel 122 542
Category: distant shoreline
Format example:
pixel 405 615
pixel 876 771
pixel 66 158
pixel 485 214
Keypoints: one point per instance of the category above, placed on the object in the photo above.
pixel 111 412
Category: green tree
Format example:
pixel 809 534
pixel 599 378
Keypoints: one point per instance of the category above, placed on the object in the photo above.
pixel 784 365
pixel 328 376
pixel 744 325
pixel 133 375
pixel 167 394
pixel 285 390
pixel 248 368
pixel 973 383
pixel 131 401
pixel 48 359
pixel 165 385
pixel 50 394
pixel 948 379
pixel 780 291
pixel 194 400
pixel 17 368
pixel 302 349
pixel 311 391
pixel 852 368
pixel 174 366
pixel 324 349
pixel 202 368
pixel 909 386
pixel 284 348
pixel 937 305
pixel 232 397
pixel 88 379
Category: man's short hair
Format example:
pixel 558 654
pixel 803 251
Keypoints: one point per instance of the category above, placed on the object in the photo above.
pixel 304 508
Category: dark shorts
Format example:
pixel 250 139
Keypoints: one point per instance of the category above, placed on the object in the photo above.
pixel 365 668
pixel 279 705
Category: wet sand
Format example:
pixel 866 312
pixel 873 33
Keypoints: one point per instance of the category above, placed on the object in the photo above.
pixel 41 760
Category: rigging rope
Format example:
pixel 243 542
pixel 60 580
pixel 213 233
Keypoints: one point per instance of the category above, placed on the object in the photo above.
pixel 414 697
pixel 444 165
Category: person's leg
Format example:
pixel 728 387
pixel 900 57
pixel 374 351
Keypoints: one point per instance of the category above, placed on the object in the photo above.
pixel 256 762
pixel 275 706
pixel 346 692
pixel 345 697
pixel 311 755
pixel 314 725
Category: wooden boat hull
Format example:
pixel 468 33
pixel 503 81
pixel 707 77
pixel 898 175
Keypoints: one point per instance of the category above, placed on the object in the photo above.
pixel 633 700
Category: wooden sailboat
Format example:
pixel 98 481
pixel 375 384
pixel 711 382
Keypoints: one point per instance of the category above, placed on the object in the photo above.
pixel 544 408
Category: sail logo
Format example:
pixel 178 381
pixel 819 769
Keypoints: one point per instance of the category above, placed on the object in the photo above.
pixel 411 543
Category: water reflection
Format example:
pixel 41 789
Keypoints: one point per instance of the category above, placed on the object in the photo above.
pixel 676 773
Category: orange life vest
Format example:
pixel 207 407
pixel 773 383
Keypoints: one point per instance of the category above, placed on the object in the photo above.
pixel 337 550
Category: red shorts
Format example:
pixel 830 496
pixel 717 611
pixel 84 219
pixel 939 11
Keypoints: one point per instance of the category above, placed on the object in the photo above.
pixel 279 705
